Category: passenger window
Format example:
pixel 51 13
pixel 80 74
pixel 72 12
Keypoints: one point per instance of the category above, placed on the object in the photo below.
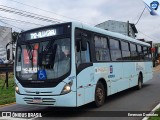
pixel 145 52
pixel 133 50
pixel 114 44
pixel 149 53
pixel 115 50
pixel 83 56
pixel 125 50
pixel 140 52
pixel 101 49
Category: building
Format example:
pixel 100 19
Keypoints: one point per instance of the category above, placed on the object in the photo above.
pixel 124 28
pixel 5 37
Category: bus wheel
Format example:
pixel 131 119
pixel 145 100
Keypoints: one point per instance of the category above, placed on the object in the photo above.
pixel 140 78
pixel 99 95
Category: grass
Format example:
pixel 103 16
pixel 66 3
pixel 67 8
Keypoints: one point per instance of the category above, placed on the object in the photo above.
pixel 7 95
pixel 156 118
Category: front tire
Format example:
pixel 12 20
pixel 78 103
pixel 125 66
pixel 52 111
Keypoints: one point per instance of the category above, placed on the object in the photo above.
pixel 99 95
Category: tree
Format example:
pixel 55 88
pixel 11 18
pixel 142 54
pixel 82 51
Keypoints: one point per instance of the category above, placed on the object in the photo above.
pixel 14 36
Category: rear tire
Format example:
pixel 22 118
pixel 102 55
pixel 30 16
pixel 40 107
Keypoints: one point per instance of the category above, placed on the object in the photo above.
pixel 140 79
pixel 100 95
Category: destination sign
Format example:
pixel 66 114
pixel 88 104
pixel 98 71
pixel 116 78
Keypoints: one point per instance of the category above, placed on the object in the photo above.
pixel 42 34
pixel 47 32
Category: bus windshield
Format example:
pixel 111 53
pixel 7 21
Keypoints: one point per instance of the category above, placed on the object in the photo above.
pixel 45 60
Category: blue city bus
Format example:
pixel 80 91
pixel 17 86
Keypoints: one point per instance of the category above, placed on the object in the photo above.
pixel 72 64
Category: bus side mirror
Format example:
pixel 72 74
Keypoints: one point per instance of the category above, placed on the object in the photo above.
pixel 8 54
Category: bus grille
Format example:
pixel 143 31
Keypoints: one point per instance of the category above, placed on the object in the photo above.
pixel 45 101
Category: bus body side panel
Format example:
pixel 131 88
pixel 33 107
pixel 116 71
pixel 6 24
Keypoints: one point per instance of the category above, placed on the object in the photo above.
pixel 131 71
pixel 116 77
pixel 85 86
pixel 101 71
pixel 145 68
pixel 148 73
pixel 112 73
pixel 134 73
pixel 127 73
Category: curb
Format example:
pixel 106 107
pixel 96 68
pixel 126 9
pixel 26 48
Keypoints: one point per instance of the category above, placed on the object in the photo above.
pixel 7 104
pixel 157 107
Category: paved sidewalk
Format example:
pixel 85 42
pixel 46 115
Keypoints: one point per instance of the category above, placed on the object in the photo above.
pixel 157 68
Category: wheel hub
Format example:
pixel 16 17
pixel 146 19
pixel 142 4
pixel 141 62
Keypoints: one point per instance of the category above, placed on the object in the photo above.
pixel 100 95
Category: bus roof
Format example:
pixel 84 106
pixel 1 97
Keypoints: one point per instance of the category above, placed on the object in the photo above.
pixel 97 30
pixel 109 33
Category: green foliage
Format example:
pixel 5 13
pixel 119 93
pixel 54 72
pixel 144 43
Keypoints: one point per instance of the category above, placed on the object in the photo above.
pixel 156 118
pixel 7 95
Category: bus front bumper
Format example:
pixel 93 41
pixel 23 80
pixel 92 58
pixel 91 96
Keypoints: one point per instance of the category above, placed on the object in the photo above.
pixel 67 100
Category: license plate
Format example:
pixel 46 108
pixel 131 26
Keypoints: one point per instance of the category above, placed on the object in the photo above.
pixel 37 100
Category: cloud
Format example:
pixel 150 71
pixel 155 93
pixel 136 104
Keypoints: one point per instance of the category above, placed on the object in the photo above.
pixel 89 11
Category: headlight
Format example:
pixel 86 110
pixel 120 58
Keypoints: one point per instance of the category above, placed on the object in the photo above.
pixel 17 89
pixel 67 88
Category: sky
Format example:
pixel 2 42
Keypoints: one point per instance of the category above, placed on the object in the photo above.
pixel 91 12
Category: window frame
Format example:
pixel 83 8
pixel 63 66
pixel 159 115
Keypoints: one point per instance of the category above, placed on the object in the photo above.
pixel 107 47
pixel 119 40
pixel 124 50
pixel 108 37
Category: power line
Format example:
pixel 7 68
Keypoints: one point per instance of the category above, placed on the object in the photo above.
pixel 46 11
pixel 23 13
pixel 10 25
pixel 140 31
pixel 15 20
pixel 147 36
pixel 29 14
pixel 140 16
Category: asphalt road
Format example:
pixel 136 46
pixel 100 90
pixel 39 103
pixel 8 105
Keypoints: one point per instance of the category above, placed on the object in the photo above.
pixel 130 100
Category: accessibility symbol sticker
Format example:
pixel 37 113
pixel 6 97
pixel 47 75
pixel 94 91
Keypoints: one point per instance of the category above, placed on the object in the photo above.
pixel 42 75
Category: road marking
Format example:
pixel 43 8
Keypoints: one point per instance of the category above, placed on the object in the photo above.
pixel 153 111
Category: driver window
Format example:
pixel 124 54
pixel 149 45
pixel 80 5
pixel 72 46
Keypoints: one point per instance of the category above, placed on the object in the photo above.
pixel 83 56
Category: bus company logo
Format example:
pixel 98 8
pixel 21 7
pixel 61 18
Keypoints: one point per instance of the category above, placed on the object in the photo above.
pixel 101 70
pixel 111 69
pixel 154 5
pixel 111 72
